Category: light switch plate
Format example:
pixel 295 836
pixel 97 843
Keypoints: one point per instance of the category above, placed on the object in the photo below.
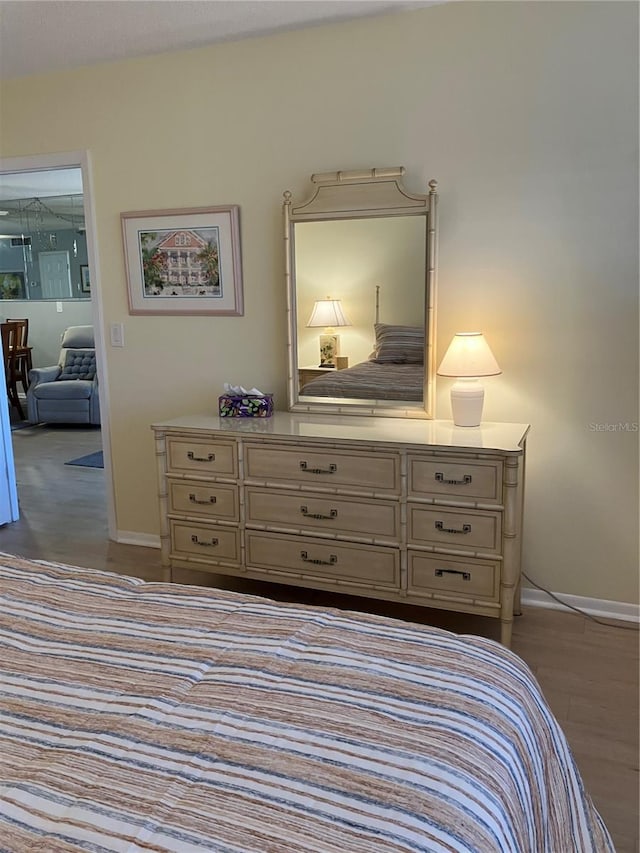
pixel 117 334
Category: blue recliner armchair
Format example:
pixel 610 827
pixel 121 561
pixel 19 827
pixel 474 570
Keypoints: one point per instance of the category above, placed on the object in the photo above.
pixel 67 392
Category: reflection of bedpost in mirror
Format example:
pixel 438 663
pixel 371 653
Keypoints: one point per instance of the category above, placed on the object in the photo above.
pixel 362 236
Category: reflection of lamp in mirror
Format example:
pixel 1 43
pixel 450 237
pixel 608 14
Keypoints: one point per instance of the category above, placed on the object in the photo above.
pixel 467 358
pixel 327 313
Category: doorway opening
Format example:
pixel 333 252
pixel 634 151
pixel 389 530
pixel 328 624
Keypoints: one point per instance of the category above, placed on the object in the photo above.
pixel 47 232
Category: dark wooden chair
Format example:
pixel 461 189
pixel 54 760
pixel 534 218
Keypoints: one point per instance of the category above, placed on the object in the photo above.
pixel 9 335
pixel 24 361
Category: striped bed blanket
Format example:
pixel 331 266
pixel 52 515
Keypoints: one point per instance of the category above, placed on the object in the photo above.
pixel 142 716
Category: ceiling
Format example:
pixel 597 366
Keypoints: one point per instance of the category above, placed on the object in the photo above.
pixel 45 183
pixel 37 201
pixel 41 36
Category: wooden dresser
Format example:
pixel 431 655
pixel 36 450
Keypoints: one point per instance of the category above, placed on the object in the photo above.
pixel 417 511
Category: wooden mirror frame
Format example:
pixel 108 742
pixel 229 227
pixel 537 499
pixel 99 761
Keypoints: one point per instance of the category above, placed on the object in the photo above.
pixel 363 194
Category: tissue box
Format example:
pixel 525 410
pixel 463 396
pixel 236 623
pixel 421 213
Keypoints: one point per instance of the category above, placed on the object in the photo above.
pixel 248 406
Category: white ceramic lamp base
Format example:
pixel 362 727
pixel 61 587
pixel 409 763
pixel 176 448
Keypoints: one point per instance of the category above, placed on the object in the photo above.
pixel 467 399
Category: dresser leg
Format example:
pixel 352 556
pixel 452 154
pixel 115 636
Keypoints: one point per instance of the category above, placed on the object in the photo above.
pixel 505 632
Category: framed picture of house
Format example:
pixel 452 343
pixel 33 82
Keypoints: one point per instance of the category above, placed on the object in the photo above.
pixel 85 280
pixel 183 261
pixel 12 285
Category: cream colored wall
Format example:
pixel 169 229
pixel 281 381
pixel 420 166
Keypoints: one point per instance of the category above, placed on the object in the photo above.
pixel 47 324
pixel 526 113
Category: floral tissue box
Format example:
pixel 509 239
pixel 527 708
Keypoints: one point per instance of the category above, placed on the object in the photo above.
pixel 245 406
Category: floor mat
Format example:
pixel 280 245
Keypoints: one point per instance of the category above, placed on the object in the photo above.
pixel 91 460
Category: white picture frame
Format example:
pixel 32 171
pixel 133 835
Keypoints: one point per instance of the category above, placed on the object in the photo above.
pixel 184 261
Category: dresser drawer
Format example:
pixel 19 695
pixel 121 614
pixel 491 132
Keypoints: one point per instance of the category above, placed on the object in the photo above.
pixel 437 574
pixel 476 530
pixel 203 457
pixel 213 500
pixel 467 481
pixel 207 542
pixel 341 515
pixel 304 556
pixel 334 468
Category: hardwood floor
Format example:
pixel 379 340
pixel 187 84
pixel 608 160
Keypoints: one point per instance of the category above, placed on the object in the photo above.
pixel 588 672
pixel 63 507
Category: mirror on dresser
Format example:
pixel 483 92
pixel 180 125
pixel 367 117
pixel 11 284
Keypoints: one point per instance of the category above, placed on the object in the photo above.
pixel 361 282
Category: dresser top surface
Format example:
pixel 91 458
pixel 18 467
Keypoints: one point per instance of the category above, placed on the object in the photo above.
pixel 504 437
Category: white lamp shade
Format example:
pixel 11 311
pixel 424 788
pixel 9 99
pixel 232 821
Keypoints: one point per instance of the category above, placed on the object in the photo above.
pixel 469 355
pixel 328 313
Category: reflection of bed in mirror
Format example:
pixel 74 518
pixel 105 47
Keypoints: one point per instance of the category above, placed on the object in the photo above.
pixel 393 371
pixel 369 381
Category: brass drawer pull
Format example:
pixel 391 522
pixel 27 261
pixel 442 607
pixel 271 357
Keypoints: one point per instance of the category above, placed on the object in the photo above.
pixel 210 458
pixel 466 528
pixel 463 482
pixel 194 500
pixel 330 470
pixel 210 544
pixel 330 562
pixel 466 576
pixel 333 513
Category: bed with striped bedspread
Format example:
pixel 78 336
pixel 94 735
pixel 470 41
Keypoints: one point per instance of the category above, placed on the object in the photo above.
pixel 146 716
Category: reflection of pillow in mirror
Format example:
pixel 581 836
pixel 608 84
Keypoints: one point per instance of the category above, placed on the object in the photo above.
pixel 398 344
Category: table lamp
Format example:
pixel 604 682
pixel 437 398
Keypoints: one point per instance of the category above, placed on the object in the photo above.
pixel 328 313
pixel 467 358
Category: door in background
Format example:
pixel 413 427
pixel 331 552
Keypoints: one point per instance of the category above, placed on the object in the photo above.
pixel 55 275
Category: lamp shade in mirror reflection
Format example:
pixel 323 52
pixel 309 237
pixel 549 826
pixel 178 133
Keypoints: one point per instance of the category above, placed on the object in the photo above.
pixel 328 314
pixel 468 358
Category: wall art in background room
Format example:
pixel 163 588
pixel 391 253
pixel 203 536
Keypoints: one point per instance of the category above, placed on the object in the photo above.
pixel 184 261
pixel 12 285
pixel 85 278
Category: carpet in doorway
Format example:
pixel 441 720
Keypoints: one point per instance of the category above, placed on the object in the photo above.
pixel 91 460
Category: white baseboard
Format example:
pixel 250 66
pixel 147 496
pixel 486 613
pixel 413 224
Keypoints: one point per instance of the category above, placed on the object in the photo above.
pixel 129 537
pixel 593 606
